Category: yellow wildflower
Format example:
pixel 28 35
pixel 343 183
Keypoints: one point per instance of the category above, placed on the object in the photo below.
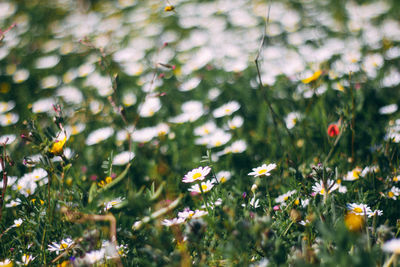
pixel 58 146
pixel 169 8
pixel 354 222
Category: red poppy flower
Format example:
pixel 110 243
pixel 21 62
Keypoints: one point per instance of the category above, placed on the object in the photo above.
pixel 333 130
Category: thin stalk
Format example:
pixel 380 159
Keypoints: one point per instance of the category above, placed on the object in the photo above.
pixel 3 167
pixel 275 117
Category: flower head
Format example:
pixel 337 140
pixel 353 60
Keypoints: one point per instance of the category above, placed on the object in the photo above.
pixel 263 170
pixel 18 222
pixel 6 263
pixel 205 187
pixel 63 245
pixel 360 209
pixel 313 77
pixel 196 174
pixel 354 222
pixel 392 246
pixel 333 130
pixel 58 146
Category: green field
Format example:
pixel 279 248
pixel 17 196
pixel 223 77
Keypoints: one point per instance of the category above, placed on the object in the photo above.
pixel 199 133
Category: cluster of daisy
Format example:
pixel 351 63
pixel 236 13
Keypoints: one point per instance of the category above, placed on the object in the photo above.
pixel 197 176
pixel 184 216
pixel 363 210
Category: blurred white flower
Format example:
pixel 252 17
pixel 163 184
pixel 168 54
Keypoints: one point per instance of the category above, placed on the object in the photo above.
pixel 99 135
pixel 389 109
pixel 226 109
pixel 123 158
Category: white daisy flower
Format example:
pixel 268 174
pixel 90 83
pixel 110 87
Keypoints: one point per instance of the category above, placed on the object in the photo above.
pixel 13 203
pixel 59 247
pixel 389 109
pixel 149 107
pixel 26 186
pixel 43 105
pixel 226 109
pixel 205 187
pixel 6 106
pixel 205 129
pixel 394 192
pixel 162 129
pixel 144 135
pixel 26 259
pixel 35 175
pixel 99 135
pixel 129 99
pixel 21 75
pixel 353 175
pixel 190 84
pixel 123 158
pixel 254 202
pixel 263 170
pixel 283 198
pixel 47 62
pixel 9 137
pixel 113 203
pixel 95 106
pixel 235 122
pixel 94 256
pixel 238 146
pixel 17 223
pixel 291 119
pixel 197 174
pixel 392 246
pixel 173 221
pixel 218 138
pixel 8 119
pixel 190 214
pixel 49 82
pixel 223 176
pixel 319 188
pixel 70 94
pixel 360 209
pixel 75 129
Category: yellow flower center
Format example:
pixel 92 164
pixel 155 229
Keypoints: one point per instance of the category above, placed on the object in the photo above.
pixel 339 181
pixel 63 246
pixel 357 210
pixel 322 191
pixel 218 143
pixel 286 198
pixel 227 110
pixel 262 171
pixel 391 194
pixel 297 202
pixel 223 180
pixel 74 129
pixel 108 179
pixel 196 175
pixel 356 174
pixel 395 179
pixel 313 77
pixel 204 187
